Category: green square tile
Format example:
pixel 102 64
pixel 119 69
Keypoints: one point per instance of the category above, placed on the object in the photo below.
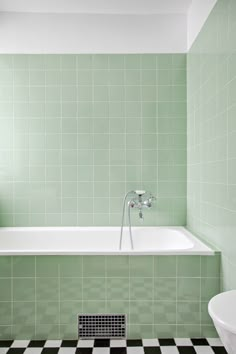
pixel 47 331
pixel 116 109
pixel 84 77
pixel 100 61
pixel 68 61
pixel 119 307
pixel 165 288
pixel 84 61
pixel 148 61
pixel 165 266
pixel 23 289
pixel 21 61
pixel 205 317
pixel 100 77
pixel 141 312
pixel 23 266
pixel 23 313
pixel 141 266
pixel 69 311
pixel 117 266
pixel 21 331
pixel 68 331
pixel 209 288
pixel 84 93
pixel 117 288
pixel 210 266
pixel 165 331
pixel 101 109
pixel 132 61
pixel 149 110
pixel 47 312
pixel 116 61
pixel 164 61
pixel 100 191
pixel 188 266
pixel 6 332
pixel 148 77
pixel 188 289
pixel 116 93
pixel 164 312
pixel 93 266
pixel 179 61
pixel 47 266
pixel 68 77
pixel 94 307
pixel 5 313
pixel 141 288
pixel 71 289
pixel 133 93
pixel 188 331
pixel 6 61
pixel 52 61
pixel 101 93
pixel 149 93
pixel 116 77
pixel 94 289
pixel 101 125
pixel 188 312
pixel 5 266
pixel 70 266
pixel 132 77
pixel 179 77
pixel 209 331
pixel 139 331
pixel 47 289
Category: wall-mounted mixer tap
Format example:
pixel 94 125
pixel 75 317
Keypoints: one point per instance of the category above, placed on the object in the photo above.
pixel 138 199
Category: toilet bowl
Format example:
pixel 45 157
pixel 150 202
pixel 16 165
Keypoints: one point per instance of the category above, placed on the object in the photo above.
pixel 222 309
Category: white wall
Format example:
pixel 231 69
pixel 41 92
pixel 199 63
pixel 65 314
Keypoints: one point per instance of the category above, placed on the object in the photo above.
pixel 77 33
pixel 197 15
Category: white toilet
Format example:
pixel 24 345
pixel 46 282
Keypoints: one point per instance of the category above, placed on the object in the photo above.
pixel 222 309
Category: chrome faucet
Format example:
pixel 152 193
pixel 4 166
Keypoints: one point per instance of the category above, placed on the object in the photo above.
pixel 139 199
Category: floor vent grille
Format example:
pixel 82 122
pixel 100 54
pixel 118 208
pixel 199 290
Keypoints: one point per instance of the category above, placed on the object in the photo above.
pixel 102 326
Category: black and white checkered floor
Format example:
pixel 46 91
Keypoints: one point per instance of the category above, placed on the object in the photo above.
pixel 106 346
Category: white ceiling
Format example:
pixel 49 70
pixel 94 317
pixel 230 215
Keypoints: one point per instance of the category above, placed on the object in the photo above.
pixel 97 6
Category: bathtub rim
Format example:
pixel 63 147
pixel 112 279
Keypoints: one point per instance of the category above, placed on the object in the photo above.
pixel 206 251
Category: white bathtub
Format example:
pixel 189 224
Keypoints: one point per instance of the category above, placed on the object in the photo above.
pixel 99 240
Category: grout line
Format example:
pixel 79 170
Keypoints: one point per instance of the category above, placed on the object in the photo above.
pixel 59 298
pixel 35 295
pixel 45 154
pixel 77 145
pixel 109 150
pixel 141 123
pixel 13 142
pixel 61 142
pixel 200 296
pixel 93 101
pixel 12 298
pixel 176 298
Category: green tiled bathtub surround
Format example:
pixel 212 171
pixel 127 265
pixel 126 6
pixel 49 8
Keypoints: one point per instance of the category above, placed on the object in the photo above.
pixel 163 296
pixel 211 93
pixel 79 131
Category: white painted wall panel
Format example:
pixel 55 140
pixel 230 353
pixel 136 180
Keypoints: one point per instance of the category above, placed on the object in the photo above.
pixel 76 33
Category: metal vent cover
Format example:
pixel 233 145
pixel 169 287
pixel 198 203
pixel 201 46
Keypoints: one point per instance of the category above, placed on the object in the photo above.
pixel 102 326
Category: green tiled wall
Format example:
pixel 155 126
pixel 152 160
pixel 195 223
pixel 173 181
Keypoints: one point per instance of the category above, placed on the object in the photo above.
pixel 212 135
pixel 163 296
pixel 78 131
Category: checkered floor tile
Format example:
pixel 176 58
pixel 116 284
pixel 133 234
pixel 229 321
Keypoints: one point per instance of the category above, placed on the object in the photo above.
pixel 106 346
